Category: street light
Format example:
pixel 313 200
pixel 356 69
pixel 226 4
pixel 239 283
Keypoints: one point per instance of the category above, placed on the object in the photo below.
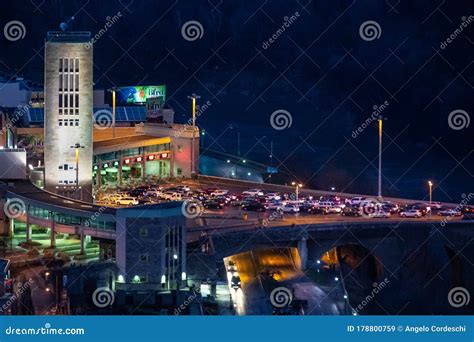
pixel 430 184
pixel 77 146
pixel 112 90
pixel 380 119
pixel 193 97
pixel 297 185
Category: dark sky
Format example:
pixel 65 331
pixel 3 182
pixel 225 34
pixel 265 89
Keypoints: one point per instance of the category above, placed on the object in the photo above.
pixel 320 70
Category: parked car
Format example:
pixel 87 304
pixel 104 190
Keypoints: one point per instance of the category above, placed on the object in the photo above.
pixel 449 212
pixel 351 211
pixel 212 204
pixel 272 196
pixel 380 214
pixel 289 208
pixel 153 192
pixel 219 192
pixel 183 188
pixel 171 196
pixel 274 205
pixel 127 201
pixel 411 213
pixel 423 207
pixel 334 210
pixel 144 200
pixel 390 207
pixel 318 211
pixel 253 192
pixel 436 205
pixel 253 206
pixel 467 209
pixel 355 200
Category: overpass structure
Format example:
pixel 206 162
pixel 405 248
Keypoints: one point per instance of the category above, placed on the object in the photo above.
pixel 132 232
pixel 419 261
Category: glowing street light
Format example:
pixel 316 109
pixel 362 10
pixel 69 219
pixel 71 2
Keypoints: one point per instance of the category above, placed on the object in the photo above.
pixel 430 185
pixel 297 185
pixel 77 146
pixel 193 97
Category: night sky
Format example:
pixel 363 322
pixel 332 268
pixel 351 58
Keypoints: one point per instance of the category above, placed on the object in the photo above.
pixel 322 69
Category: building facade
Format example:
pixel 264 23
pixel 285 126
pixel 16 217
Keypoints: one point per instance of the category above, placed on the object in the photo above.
pixel 68 114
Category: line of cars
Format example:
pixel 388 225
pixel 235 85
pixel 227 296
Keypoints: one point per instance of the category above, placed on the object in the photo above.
pixel 260 201
pixel 146 194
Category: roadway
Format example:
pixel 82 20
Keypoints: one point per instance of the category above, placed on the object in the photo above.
pixel 263 271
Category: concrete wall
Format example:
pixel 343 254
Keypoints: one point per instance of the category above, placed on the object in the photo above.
pixel 139 235
pixel 58 140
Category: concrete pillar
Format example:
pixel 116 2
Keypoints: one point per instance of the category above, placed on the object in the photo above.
pixel 28 225
pixel 303 252
pixel 82 240
pixel 53 233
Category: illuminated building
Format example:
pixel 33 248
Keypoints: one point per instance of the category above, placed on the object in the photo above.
pixel 68 114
